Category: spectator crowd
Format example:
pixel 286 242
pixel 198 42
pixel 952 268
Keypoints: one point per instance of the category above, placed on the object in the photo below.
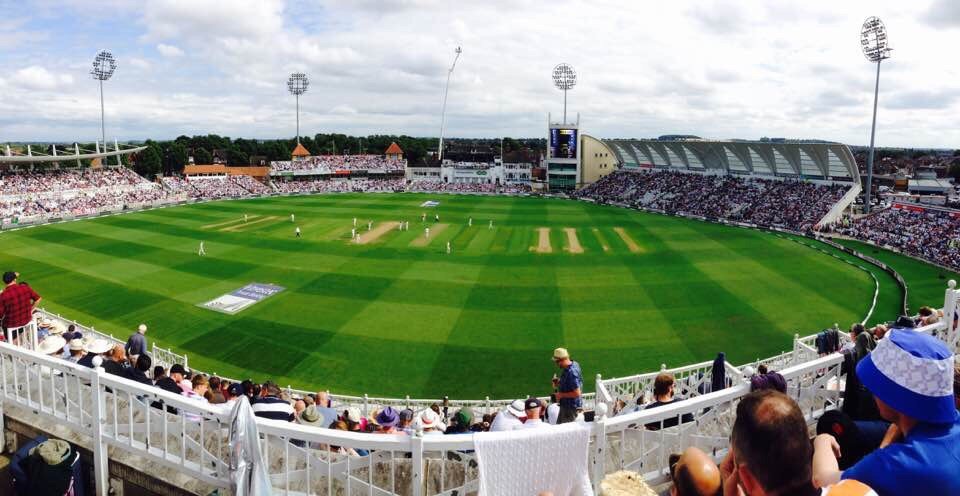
pixel 929 234
pixel 790 204
pixel 327 164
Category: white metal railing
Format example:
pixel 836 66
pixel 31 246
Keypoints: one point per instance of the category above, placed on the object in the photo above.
pixel 168 431
pixel 643 440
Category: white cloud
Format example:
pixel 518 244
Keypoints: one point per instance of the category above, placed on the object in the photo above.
pixel 715 68
pixel 139 63
pixel 39 78
pixel 169 50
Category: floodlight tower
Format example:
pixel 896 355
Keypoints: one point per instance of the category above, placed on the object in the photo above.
pixel 103 66
pixel 297 85
pixel 564 78
pixel 443 110
pixel 873 40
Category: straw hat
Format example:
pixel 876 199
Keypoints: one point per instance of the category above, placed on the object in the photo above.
pixel 51 344
pixel 98 346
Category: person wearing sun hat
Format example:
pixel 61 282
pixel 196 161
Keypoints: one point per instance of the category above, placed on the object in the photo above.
pixel 509 418
pixel 910 375
pixel 387 420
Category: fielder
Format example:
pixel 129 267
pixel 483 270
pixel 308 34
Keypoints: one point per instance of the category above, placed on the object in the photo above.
pixel 448 247
pixel 436 217
pixel 244 218
pixel 201 252
pixel 426 232
pixel 297 231
pixel 354 222
pixel 353 233
pixel 292 219
pixel 370 225
pixel 491 224
pixel 423 218
pixel 470 222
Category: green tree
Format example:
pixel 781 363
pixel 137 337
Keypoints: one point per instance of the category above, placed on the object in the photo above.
pixel 237 157
pixel 954 172
pixel 202 157
pixel 148 162
pixel 178 156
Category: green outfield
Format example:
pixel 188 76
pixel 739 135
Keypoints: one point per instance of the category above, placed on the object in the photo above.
pixel 396 315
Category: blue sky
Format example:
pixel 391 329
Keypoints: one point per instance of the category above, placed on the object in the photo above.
pixel 719 69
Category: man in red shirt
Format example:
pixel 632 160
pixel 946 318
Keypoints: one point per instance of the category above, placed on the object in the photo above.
pixel 17 302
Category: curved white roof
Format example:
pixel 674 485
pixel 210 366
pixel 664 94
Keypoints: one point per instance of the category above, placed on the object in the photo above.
pixel 828 161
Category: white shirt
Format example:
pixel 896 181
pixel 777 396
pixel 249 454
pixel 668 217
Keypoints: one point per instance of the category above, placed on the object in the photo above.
pixel 533 424
pixel 505 421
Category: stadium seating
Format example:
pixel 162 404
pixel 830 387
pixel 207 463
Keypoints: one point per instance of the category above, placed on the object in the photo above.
pixel 929 234
pixel 328 164
pixel 788 204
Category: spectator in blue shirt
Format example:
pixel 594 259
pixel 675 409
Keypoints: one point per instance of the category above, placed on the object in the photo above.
pixel 568 387
pixel 911 377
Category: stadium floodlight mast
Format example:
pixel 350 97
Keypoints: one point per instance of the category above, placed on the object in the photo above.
pixel 564 78
pixel 103 66
pixel 297 85
pixel 873 40
pixel 443 110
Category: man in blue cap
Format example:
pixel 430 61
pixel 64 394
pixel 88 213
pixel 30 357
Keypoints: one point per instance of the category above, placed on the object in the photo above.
pixel 911 377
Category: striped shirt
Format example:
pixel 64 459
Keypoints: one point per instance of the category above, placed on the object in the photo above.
pixel 272 407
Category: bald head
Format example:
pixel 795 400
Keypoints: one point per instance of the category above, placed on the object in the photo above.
pixel 696 474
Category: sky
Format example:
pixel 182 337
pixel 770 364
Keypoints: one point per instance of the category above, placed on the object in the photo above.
pixel 718 69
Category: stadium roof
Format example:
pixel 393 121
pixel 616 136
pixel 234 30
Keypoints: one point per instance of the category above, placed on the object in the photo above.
pixel 393 149
pixel 300 151
pixel 807 160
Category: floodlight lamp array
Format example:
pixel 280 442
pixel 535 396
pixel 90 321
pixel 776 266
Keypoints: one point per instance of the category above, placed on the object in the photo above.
pixel 873 40
pixel 103 66
pixel 564 77
pixel 298 83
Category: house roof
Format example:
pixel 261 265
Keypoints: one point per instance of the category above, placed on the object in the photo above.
pixel 393 149
pixel 300 151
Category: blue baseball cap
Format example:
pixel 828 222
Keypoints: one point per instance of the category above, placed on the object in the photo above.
pixel 912 372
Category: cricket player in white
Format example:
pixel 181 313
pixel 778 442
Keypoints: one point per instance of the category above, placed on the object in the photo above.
pixel 448 247
pixel 297 231
pixel 470 222
pixel 354 222
pixel 353 233
pixel 201 251
pixel 423 218
pixel 370 225
pixel 426 232
pixel 291 218
pixel 244 218
pixel 436 217
pixel 491 224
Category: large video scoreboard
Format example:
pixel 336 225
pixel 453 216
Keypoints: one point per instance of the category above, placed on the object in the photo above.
pixel 563 143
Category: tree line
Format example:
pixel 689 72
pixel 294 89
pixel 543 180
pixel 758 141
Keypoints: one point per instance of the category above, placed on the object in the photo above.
pixel 171 156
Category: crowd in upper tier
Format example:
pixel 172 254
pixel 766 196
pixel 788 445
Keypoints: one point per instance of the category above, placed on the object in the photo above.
pixel 790 204
pixel 332 163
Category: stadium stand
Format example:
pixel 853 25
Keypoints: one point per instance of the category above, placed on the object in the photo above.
pixel 789 204
pixel 329 164
pixel 923 232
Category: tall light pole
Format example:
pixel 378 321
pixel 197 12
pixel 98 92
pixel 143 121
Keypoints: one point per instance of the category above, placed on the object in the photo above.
pixel 873 40
pixel 103 66
pixel 443 111
pixel 564 78
pixel 297 85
